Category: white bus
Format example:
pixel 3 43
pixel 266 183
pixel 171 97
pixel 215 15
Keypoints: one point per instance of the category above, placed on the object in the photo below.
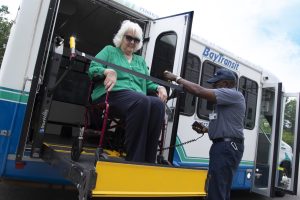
pixel 43 97
pixel 270 161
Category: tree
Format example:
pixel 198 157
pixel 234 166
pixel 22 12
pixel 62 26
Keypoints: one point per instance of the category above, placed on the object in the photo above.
pixel 5 26
pixel 290 112
pixel 289 121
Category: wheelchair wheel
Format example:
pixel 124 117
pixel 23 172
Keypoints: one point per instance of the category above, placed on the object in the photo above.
pixel 76 149
pixel 100 155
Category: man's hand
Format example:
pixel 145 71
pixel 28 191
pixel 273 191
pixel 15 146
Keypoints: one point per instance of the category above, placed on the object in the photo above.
pixel 199 127
pixel 169 76
pixel 111 79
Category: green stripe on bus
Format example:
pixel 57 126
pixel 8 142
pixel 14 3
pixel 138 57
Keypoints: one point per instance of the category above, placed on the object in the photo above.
pixel 13 95
pixel 185 158
pixel 13 90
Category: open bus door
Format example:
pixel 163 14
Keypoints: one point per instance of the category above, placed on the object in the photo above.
pixel 167 49
pixel 268 140
pixel 270 175
pixel 288 157
pixel 168 36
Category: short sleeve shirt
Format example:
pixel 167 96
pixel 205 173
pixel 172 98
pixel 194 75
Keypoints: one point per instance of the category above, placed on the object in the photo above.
pixel 229 113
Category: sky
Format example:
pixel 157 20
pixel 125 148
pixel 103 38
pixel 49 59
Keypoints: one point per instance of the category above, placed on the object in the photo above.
pixel 263 32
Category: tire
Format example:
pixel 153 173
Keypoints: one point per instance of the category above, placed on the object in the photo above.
pixel 76 149
pixel 287 171
pixel 279 193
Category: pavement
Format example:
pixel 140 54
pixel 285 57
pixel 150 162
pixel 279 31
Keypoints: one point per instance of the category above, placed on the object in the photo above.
pixel 12 190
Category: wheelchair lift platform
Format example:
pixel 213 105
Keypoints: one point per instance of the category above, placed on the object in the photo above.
pixel 115 177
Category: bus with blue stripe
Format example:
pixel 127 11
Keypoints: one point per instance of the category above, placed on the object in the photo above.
pixel 43 100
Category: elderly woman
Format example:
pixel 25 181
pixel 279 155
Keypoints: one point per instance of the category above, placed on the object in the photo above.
pixel 143 114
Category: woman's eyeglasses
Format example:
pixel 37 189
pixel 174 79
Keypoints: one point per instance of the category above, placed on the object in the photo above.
pixel 130 39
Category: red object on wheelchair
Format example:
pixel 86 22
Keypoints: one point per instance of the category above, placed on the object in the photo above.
pixel 96 123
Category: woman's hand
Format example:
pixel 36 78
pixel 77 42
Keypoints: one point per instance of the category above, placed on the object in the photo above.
pixel 111 79
pixel 162 93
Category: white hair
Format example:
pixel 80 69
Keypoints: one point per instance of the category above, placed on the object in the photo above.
pixel 126 26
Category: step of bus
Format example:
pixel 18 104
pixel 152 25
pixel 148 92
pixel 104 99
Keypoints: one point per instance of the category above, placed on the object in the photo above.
pixel 115 179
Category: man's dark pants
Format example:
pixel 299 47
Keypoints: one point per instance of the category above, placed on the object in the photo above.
pixel 223 162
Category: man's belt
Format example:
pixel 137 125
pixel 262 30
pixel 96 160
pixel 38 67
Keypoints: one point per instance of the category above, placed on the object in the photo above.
pixel 228 139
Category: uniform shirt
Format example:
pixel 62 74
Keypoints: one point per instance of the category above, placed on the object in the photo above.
pixel 125 81
pixel 230 113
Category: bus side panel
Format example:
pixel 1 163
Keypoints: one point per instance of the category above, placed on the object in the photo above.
pixel 23 45
pixel 16 73
pixel 242 179
pixel 37 170
pixel 11 120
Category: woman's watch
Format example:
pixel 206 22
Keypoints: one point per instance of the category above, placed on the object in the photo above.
pixel 177 79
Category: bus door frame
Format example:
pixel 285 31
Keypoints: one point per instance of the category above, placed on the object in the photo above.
pixel 264 175
pixel 293 180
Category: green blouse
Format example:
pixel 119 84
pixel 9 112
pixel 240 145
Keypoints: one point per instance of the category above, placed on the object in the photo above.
pixel 125 81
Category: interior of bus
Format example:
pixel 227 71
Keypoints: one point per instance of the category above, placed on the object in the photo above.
pixel 94 25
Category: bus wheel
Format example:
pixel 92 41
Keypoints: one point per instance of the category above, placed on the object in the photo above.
pixel 279 193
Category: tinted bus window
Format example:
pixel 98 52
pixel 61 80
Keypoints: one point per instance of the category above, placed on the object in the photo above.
pixel 249 89
pixel 164 54
pixel 205 107
pixel 191 73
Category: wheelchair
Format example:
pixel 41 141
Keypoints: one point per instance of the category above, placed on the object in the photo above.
pixel 107 128
pixel 100 127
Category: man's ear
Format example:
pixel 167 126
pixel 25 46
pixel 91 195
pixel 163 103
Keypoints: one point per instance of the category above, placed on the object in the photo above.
pixel 226 83
pixel 231 84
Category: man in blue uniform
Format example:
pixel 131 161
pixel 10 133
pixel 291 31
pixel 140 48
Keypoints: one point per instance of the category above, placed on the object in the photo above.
pixel 226 124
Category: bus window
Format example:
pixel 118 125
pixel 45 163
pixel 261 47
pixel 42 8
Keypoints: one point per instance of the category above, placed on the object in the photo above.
pixel 249 89
pixel 205 107
pixel 191 73
pixel 164 54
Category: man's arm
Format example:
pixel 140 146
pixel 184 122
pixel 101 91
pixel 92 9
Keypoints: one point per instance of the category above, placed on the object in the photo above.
pixel 192 88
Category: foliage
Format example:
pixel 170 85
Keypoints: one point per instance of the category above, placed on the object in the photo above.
pixel 289 121
pixel 290 113
pixel 288 124
pixel 265 126
pixel 5 26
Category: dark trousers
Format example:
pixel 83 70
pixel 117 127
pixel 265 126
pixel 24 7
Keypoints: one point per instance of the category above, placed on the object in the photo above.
pixel 223 163
pixel 144 117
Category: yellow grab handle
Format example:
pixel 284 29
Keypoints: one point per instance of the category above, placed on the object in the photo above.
pixel 72 46
pixel 72 42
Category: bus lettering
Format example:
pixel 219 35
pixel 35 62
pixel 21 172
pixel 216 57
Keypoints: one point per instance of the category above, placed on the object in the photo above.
pixel 217 57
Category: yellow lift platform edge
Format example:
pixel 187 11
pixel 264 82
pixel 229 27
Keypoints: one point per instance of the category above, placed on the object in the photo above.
pixel 137 180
